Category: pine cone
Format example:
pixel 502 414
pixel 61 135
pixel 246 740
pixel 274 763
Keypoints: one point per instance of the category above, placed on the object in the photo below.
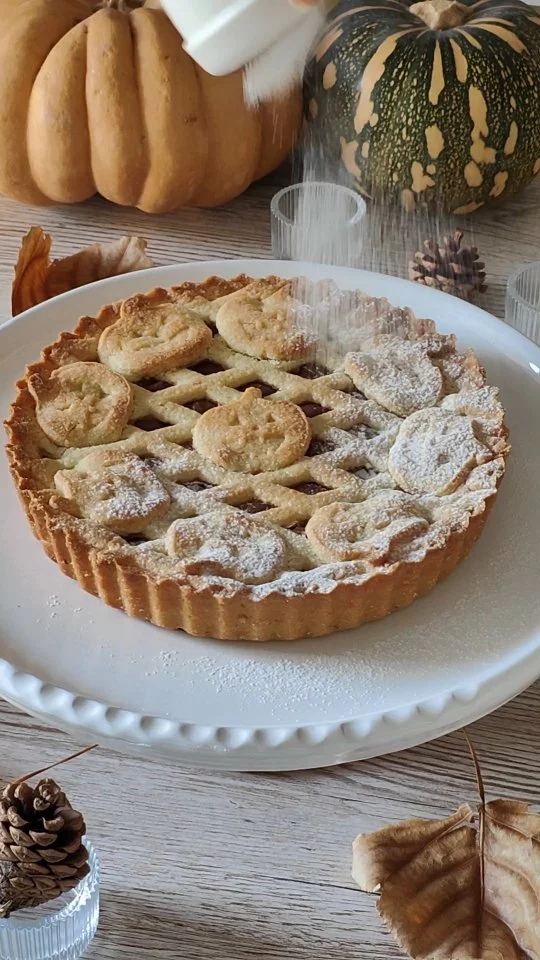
pixel 41 849
pixel 450 267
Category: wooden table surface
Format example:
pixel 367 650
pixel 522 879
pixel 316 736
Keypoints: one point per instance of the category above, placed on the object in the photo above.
pixel 236 866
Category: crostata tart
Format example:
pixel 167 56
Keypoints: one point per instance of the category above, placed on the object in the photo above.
pixel 188 457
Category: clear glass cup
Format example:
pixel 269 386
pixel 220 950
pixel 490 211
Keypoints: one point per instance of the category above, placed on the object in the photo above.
pixel 58 930
pixel 318 222
pixel 523 301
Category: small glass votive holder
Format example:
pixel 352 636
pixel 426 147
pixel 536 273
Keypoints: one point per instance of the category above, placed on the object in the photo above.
pixel 59 930
pixel 523 301
pixel 318 222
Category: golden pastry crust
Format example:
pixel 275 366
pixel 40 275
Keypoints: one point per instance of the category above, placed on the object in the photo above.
pixel 149 560
pixel 153 336
pixel 253 435
pixel 81 404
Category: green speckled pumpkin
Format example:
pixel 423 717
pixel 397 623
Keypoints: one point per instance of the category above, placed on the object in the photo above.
pixel 435 102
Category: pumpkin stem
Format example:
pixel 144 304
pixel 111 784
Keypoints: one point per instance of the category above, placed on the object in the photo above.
pixel 440 14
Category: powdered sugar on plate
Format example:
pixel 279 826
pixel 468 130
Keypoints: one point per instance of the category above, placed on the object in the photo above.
pixel 301 680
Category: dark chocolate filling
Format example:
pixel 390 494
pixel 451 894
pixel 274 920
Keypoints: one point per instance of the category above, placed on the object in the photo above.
pixel 310 487
pixel 317 447
pixel 153 385
pixel 202 405
pixel 207 367
pixel 253 506
pixel 312 371
pixel 265 388
pixel 150 423
pixel 312 409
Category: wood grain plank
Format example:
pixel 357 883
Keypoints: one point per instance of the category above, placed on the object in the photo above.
pixel 232 866
pixel 506 236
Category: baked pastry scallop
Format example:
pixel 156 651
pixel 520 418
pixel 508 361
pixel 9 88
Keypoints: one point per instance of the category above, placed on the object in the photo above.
pixel 189 458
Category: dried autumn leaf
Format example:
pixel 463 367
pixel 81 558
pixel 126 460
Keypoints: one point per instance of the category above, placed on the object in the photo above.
pixel 31 271
pixel 463 888
pixel 38 279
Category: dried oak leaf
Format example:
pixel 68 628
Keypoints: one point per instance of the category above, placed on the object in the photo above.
pixel 463 888
pixel 37 278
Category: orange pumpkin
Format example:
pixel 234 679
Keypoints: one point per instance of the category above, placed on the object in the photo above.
pixel 101 97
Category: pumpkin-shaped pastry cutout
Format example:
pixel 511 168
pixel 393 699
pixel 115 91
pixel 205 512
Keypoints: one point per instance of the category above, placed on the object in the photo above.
pixel 371 531
pixel 223 545
pixel 114 489
pixel 395 373
pixel 434 452
pixel 267 328
pixel 81 404
pixel 153 334
pixel 253 435
pixel 430 103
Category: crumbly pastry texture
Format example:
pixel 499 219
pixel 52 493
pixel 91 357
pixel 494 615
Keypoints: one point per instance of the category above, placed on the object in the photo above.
pixel 187 458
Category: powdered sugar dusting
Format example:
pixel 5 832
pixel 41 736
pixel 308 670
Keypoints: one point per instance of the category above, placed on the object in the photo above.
pixel 135 495
pixel 434 452
pixel 395 373
pixel 223 544
pixel 302 680
pixel 343 320
pixel 114 488
pixel 127 502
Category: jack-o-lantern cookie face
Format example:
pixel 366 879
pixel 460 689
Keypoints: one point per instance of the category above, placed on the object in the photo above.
pixel 265 328
pixel 81 404
pixel 369 531
pixel 152 337
pixel 219 545
pixel 114 489
pixel 253 435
